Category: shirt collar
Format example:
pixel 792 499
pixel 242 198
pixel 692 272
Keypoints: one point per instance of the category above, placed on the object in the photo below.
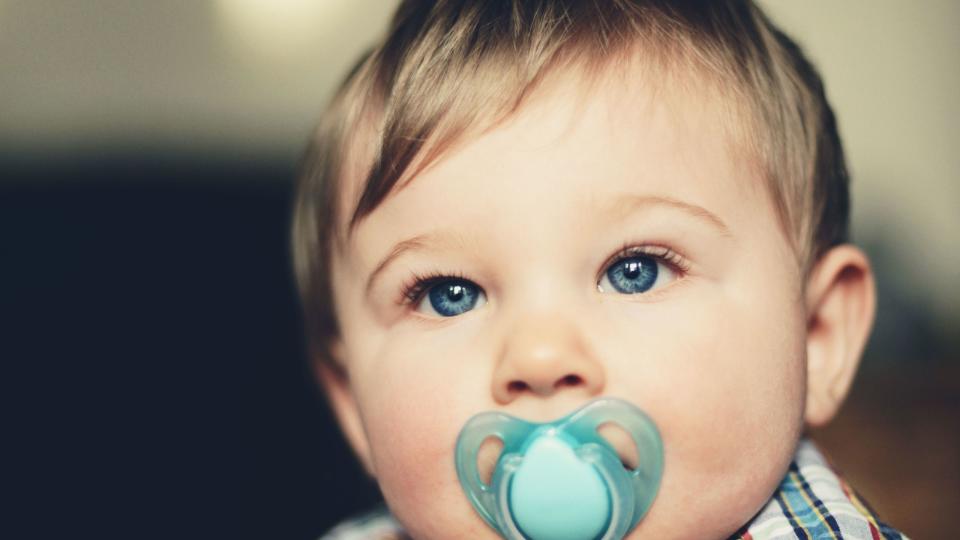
pixel 814 501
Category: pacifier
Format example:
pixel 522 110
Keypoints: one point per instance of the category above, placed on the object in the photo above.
pixel 562 480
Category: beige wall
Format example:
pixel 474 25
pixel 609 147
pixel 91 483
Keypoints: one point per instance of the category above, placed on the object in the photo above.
pixel 253 74
pixel 892 72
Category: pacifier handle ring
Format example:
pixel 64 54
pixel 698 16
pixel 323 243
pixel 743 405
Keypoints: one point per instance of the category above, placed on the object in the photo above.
pixel 507 526
pixel 595 454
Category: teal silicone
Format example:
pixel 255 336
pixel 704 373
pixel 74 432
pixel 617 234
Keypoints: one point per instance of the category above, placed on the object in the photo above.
pixel 561 480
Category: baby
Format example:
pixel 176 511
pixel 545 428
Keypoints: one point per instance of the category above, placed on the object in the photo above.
pixel 526 206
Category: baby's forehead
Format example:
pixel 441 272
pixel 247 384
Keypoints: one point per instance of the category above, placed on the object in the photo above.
pixel 620 107
pixel 569 154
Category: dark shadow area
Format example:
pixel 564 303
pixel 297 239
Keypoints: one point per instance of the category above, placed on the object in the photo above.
pixel 154 354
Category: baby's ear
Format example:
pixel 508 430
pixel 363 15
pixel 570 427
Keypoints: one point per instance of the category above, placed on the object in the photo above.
pixel 333 376
pixel 841 303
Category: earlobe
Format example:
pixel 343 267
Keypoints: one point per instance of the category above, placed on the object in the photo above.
pixel 335 380
pixel 841 304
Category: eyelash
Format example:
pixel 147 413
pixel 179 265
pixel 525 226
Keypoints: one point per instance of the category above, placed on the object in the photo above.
pixel 414 288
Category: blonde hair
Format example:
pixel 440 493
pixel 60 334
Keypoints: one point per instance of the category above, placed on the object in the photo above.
pixel 447 69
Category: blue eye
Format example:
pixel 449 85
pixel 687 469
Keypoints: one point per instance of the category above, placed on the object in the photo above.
pixel 635 271
pixel 452 297
pixel 637 274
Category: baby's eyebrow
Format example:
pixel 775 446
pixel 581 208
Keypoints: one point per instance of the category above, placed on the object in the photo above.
pixel 619 209
pixel 419 242
pixel 628 203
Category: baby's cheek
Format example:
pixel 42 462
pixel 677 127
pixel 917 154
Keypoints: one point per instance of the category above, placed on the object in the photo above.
pixel 419 483
pixel 745 382
pixel 411 436
pixel 413 422
pixel 727 398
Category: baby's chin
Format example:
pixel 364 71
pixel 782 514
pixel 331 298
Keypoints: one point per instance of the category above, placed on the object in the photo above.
pixel 446 514
pixel 440 519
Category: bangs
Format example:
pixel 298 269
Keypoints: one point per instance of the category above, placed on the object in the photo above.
pixel 453 70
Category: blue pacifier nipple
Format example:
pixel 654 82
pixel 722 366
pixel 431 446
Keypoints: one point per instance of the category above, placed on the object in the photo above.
pixel 562 480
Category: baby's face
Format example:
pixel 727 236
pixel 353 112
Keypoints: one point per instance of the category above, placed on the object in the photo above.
pixel 535 307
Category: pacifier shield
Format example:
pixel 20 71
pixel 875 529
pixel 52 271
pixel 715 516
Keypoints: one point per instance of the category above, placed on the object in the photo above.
pixel 562 480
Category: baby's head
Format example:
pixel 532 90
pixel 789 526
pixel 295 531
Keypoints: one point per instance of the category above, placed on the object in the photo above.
pixel 522 206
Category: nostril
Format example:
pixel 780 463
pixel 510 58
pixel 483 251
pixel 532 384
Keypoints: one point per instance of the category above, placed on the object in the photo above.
pixel 569 380
pixel 517 386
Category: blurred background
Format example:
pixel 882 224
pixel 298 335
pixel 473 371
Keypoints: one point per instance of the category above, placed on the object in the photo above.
pixel 155 378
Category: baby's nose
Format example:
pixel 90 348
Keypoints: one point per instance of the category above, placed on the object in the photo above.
pixel 544 357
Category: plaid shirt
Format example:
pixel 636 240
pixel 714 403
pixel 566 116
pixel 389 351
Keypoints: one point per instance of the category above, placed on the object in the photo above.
pixel 812 503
